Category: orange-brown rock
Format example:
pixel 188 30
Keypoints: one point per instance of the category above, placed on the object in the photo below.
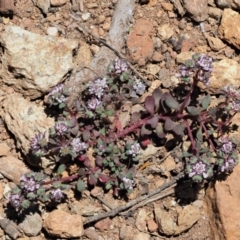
pixel 222 203
pixel 139 41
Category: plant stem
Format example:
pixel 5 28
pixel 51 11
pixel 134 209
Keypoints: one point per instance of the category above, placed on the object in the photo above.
pixel 194 148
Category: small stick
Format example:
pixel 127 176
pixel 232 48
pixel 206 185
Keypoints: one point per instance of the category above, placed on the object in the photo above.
pixel 117 210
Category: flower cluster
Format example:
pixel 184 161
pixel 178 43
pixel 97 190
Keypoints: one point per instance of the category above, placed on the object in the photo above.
pixel 31 189
pixel 202 64
pixel 78 145
pixel 38 144
pixel 227 157
pixel 97 87
pixel 134 150
pixel 58 95
pixel 119 66
pixel 139 88
pixel 128 183
pixel 199 168
pixel 233 97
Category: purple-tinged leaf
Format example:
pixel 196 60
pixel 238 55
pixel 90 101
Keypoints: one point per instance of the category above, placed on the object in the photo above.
pixel 86 135
pixel 87 163
pixel 103 178
pixel 80 185
pixel 149 104
pixel 92 180
pixel 99 161
pixel 159 131
pixel 72 122
pixel 145 131
pixel 74 130
pixel 81 172
pixel 193 110
pixel 171 102
pixel 61 168
pixel 135 117
pixel 169 124
pixel 157 94
pixel 116 191
pixel 179 129
pixel 153 121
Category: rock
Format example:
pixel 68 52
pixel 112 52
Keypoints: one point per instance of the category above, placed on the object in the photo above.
pixel 222 204
pixel 167 6
pixel 157 57
pixel 215 12
pixel 127 232
pixel 139 41
pixel 169 164
pixel 153 69
pixel 32 63
pixel 32 224
pixel 24 119
pixel 215 43
pixel 198 9
pixel 4 149
pixel 228 4
pixel 86 16
pixel 7 7
pixel 165 222
pixel 152 225
pixel 182 57
pixel 142 236
pixel 141 220
pixel 165 32
pixel 188 44
pixel 12 168
pixel 83 57
pixel 91 233
pixel 225 72
pixel 187 216
pixel 85 207
pixel 64 225
pixel 104 224
pixel 1 190
pixel 57 3
pixel 44 5
pixel 9 227
pixel 52 31
pixel 226 31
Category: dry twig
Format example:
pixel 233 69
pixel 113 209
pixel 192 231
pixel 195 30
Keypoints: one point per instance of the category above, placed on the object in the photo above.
pixel 117 210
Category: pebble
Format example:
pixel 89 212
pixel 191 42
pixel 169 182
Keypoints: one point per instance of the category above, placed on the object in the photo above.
pixel 152 225
pixel 52 31
pixel 105 224
pixel 4 149
pixel 86 16
pixel 32 224
pixel 165 32
pixel 57 3
pixel 157 57
pixel 1 190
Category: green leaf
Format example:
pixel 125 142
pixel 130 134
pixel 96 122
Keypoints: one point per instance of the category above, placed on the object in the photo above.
pixel 108 186
pixel 62 105
pixel 80 185
pixel 171 102
pixel 25 204
pixel 145 130
pixel 153 121
pixel 186 154
pixel 159 131
pixel 197 178
pixel 205 102
pixel 193 110
pixel 199 134
pixel 110 112
pixel 31 196
pixel 61 168
pixel 157 94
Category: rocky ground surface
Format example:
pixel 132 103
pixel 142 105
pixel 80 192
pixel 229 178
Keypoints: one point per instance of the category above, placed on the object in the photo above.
pixel 41 47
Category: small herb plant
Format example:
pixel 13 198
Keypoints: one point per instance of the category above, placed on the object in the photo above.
pixel 90 135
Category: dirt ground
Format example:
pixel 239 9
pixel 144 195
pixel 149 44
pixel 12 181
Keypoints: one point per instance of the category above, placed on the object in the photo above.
pixel 188 35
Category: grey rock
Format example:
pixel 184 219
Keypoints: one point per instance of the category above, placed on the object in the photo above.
pixel 228 4
pixel 32 225
pixel 32 63
pixel 44 5
pixel 198 9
